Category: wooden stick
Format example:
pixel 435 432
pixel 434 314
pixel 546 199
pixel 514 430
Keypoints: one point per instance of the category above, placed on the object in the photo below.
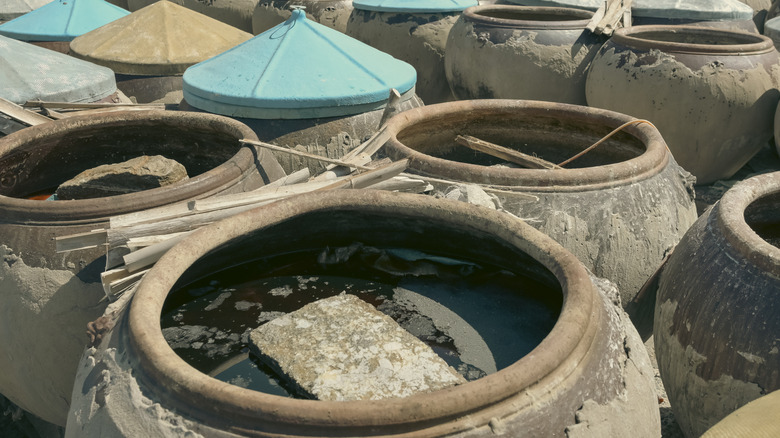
pixel 369 178
pixel 302 154
pixel 392 107
pixel 138 260
pixel 82 105
pixel 360 155
pixel 507 154
pixel 293 178
pixel 75 242
pixel 16 112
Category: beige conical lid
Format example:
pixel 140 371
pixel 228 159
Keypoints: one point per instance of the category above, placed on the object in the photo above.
pixel 160 39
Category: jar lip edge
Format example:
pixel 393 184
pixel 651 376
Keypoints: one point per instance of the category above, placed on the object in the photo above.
pixel 32 211
pixel 580 308
pixel 627 36
pixel 651 162
pixel 735 227
pixel 473 14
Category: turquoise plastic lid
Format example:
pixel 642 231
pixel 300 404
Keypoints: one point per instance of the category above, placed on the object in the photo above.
pixel 416 6
pixel 29 72
pixel 296 70
pixel 62 20
pixel 10 9
pixel 701 10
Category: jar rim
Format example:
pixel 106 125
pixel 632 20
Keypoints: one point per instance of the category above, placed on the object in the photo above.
pixel 570 18
pixel 746 43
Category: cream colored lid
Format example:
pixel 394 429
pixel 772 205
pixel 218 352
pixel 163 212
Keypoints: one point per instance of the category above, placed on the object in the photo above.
pixel 160 39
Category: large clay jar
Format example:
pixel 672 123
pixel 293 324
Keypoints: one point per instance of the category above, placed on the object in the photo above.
pixel 412 31
pixel 326 109
pixel 588 368
pixel 48 298
pixel 620 210
pixel 716 321
pixel 331 13
pixel 711 93
pixel 533 53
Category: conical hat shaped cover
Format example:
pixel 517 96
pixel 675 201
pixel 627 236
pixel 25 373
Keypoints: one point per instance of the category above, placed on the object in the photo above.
pixel 296 70
pixel 29 72
pixel 62 20
pixel 160 39
pixel 10 9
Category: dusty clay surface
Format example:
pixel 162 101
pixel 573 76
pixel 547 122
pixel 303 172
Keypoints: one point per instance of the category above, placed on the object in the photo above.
pixel 43 312
pixel 419 39
pixel 714 117
pixel 526 65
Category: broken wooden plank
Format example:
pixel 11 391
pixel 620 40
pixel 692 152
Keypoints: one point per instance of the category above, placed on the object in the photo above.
pixel 16 112
pixel 392 107
pixel 145 257
pixel 507 154
pixel 360 155
pixel 73 242
pixel 367 179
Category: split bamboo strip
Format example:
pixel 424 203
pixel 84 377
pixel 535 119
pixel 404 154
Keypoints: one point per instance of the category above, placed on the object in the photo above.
pixel 507 154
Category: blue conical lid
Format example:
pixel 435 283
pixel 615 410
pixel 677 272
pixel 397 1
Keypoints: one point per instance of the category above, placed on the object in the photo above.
pixel 416 6
pixel 29 72
pixel 10 9
pixel 702 10
pixel 298 69
pixel 62 20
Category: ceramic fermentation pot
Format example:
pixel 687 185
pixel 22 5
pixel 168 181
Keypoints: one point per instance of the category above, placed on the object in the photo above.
pixel 589 368
pixel 48 298
pixel 150 49
pixel 711 93
pixel 756 419
pixel 620 208
pixel 534 53
pixel 327 108
pixel 716 321
pixel 331 13
pixel 413 31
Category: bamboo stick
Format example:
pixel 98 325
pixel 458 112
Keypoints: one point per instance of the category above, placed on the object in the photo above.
pixel 302 154
pixel 84 105
pixel 16 112
pixel 507 154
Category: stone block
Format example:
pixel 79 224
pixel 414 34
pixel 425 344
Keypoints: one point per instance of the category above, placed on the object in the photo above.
pixel 135 175
pixel 342 348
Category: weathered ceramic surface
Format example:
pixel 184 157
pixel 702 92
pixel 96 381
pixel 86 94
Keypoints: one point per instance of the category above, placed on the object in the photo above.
pixel 588 371
pixel 772 30
pixel 417 38
pixel 11 9
pixel 331 13
pixel 62 20
pixel 712 93
pixel 534 53
pixel 716 321
pixel 29 72
pixel 161 39
pixel 49 298
pixel 264 79
pixel 620 211
pixel 237 13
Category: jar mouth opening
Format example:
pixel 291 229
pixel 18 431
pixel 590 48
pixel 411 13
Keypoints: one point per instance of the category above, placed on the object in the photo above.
pixel 37 160
pixel 751 218
pixel 692 39
pixel 521 16
pixel 553 132
pixel 202 394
